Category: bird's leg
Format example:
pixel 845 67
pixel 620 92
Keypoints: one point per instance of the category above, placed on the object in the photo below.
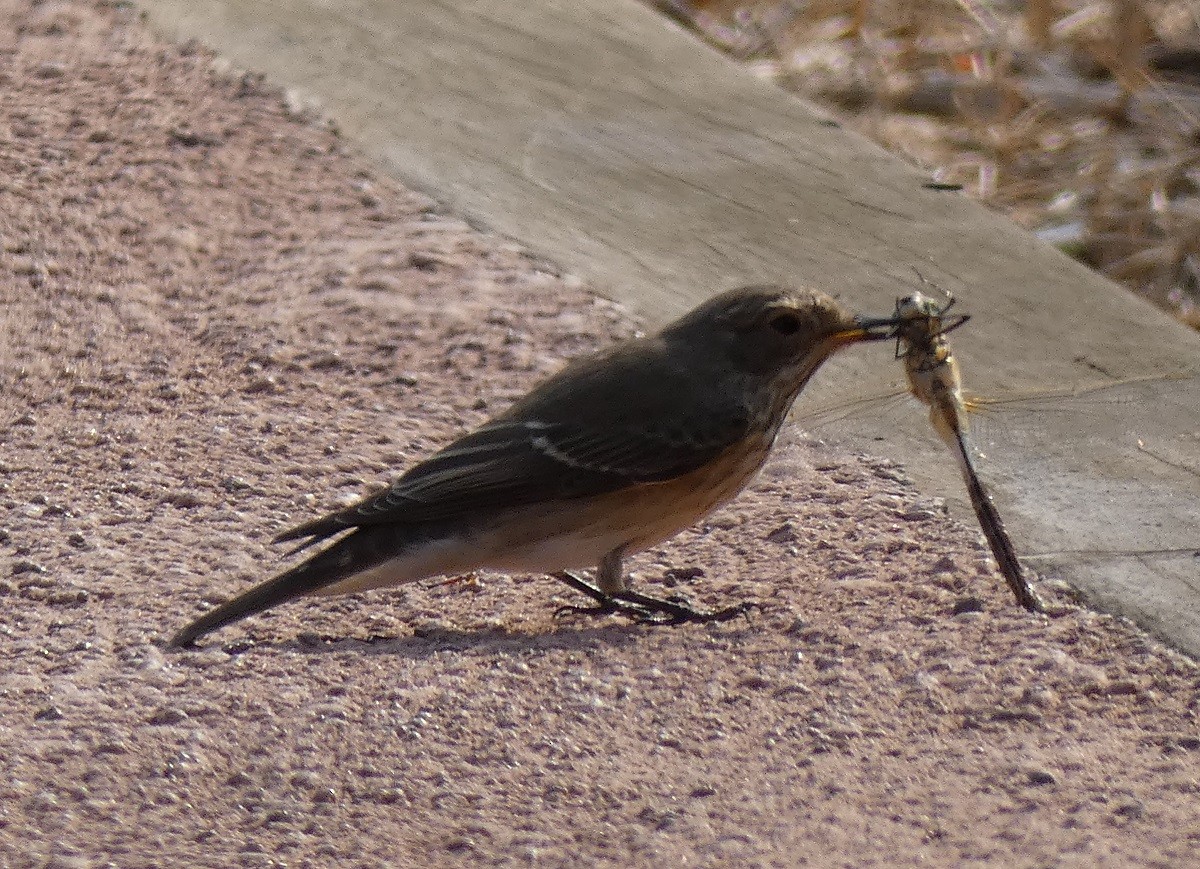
pixel 676 612
pixel 611 595
pixel 605 603
pixel 610 578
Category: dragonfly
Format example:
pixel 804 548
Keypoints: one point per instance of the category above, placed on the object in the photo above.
pixel 933 378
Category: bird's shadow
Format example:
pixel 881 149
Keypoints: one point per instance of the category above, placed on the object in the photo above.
pixel 427 641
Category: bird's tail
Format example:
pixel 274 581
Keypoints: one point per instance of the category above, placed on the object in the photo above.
pixel 347 557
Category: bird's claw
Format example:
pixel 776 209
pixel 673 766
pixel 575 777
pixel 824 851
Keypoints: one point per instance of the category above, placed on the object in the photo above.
pixel 604 608
pixel 677 611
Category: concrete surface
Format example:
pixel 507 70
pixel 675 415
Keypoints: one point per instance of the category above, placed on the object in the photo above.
pixel 622 149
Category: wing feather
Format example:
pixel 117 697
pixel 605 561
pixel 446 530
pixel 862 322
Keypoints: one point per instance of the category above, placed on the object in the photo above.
pixel 592 429
pixel 510 464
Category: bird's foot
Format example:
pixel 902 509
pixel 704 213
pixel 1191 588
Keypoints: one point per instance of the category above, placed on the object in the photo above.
pixel 605 604
pixel 607 607
pixel 678 611
pixel 643 608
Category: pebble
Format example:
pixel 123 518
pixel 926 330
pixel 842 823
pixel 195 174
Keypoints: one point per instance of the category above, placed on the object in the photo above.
pixel 785 533
pixel 51 69
pixel 167 715
pixel 969 604
pixel 1041 777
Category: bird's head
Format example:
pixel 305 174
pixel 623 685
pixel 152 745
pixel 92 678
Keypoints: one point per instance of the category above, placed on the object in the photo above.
pixel 775 332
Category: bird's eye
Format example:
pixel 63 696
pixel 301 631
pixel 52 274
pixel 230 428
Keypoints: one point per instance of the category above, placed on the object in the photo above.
pixel 785 323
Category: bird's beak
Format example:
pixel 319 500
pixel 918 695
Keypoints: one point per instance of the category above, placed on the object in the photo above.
pixel 869 329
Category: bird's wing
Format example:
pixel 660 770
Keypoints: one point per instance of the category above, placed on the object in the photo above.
pixel 512 462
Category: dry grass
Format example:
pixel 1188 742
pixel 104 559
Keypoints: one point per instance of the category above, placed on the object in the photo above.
pixel 1081 120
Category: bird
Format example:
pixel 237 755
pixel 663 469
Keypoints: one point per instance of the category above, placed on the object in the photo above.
pixel 617 452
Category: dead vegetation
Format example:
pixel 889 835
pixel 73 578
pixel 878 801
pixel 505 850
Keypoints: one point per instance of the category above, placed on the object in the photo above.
pixel 1081 120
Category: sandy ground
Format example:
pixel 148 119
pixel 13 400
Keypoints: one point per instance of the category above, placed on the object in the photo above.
pixel 218 321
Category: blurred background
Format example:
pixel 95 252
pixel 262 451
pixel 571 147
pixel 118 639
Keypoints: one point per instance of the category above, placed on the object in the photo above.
pixel 1080 120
